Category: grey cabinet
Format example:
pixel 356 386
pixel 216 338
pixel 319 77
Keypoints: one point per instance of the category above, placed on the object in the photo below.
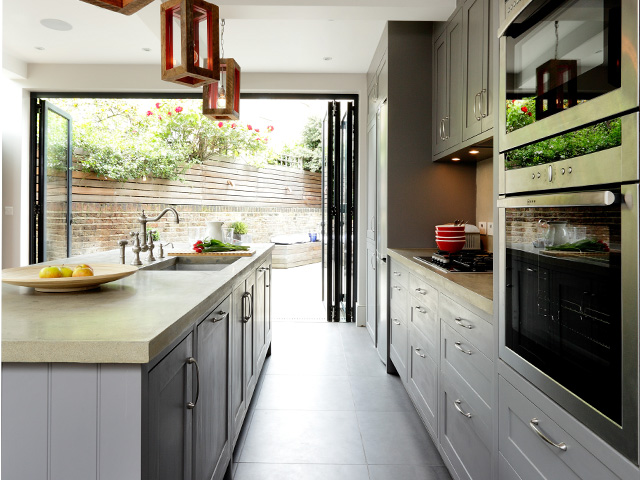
pixel 478 94
pixel 371 181
pixel 170 418
pixel 211 426
pixel 378 89
pixel 448 93
pixel 399 319
pixel 262 314
pixel 525 454
pixel 422 383
pixel 243 366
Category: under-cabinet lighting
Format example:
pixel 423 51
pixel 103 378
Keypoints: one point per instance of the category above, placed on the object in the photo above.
pixel 474 152
pixel 455 159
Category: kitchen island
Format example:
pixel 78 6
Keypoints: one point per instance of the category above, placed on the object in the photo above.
pixel 146 377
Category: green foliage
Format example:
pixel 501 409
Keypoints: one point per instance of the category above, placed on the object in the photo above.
pixel 123 139
pixel 594 138
pixel 520 113
pixel 239 228
pixel 309 149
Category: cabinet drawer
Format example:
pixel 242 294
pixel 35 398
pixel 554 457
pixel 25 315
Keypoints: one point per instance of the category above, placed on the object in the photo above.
pixel 399 274
pixel 425 320
pixel 529 455
pixel 468 361
pixel 399 343
pixel 398 297
pixel 423 379
pixel 423 291
pixel 474 327
pixel 464 437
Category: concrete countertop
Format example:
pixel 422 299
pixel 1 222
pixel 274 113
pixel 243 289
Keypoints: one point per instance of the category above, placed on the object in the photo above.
pixel 127 321
pixel 474 288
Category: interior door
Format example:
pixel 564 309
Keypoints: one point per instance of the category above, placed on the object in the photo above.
pixel 347 210
pixel 51 188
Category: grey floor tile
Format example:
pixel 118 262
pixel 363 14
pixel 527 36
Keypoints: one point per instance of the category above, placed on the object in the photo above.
pixel 304 392
pixel 266 471
pixel 396 438
pixel 408 472
pixel 364 363
pixel 380 394
pixel 297 436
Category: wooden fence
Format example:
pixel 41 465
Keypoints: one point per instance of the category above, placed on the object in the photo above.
pixel 213 183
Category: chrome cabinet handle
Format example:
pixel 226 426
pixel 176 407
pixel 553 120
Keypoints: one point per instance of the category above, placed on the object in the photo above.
pixel 475 106
pixel 459 347
pixel 534 426
pixel 531 269
pixel 246 297
pixel 397 274
pixel 222 316
pixel 446 123
pixel 484 113
pixel 420 309
pixel 396 322
pixel 396 287
pixel 456 404
pixel 442 129
pixel 192 405
pixel 459 322
pixel 418 350
pixel 421 291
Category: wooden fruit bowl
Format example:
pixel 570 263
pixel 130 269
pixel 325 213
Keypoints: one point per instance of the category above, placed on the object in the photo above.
pixel 103 273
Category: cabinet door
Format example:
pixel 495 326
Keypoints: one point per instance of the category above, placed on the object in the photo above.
pixel 212 448
pixel 267 305
pixel 371 181
pixel 398 342
pixel 170 420
pixel 383 80
pixel 487 69
pixel 423 379
pixel 475 33
pixel 250 353
pixel 259 319
pixel 372 95
pixel 455 93
pixel 371 290
pixel 439 92
pixel 238 374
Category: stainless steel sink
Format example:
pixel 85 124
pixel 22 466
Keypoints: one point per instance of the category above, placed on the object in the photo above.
pixel 193 264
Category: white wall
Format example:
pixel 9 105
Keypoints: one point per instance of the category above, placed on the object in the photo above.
pixel 133 78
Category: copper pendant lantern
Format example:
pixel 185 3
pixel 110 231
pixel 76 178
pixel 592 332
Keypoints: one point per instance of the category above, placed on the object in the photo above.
pixel 221 100
pixel 125 7
pixel 190 47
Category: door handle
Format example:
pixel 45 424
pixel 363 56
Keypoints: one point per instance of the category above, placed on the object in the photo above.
pixel 418 350
pixel 192 405
pixel 458 345
pixel 534 426
pixel 246 297
pixel 456 404
pixel 221 316
pixel 458 320
pixel 475 106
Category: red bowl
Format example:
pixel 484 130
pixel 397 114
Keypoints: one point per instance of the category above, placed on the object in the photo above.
pixel 441 233
pixel 445 228
pixel 451 246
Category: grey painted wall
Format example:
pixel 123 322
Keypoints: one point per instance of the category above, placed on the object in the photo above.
pixel 422 193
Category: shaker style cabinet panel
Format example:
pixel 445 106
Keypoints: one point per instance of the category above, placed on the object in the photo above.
pixel 477 106
pixel 398 342
pixel 170 452
pixel 536 448
pixel 423 380
pixel 439 92
pixel 371 181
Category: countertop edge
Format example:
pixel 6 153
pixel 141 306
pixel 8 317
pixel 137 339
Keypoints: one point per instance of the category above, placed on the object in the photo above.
pixel 440 280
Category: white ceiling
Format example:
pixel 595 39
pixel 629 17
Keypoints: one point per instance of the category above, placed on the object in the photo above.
pixel 262 35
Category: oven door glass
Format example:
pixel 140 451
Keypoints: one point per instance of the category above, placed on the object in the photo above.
pixel 560 55
pixel 563 298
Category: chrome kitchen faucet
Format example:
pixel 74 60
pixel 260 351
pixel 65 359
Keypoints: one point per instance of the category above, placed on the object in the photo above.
pixel 143 219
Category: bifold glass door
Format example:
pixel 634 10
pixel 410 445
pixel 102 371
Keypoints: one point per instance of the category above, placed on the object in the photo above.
pixel 51 183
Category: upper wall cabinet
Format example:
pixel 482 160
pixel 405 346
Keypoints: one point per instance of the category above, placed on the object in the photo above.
pixel 462 79
pixel 378 89
pixel 477 107
pixel 447 53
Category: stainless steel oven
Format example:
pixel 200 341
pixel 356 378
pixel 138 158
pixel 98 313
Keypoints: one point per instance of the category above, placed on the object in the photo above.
pixel 568 303
pixel 565 64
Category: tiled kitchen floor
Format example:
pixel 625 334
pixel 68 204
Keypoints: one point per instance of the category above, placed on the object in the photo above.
pixel 325 409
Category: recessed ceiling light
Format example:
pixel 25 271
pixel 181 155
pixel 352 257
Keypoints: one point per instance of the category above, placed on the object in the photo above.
pixel 55 24
pixel 474 152
pixel 39 48
pixel 327 59
pixel 146 49
pixel 455 159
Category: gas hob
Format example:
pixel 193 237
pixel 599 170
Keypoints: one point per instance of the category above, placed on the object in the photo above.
pixel 470 261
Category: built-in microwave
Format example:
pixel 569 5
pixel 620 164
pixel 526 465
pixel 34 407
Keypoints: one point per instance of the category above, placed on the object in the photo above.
pixel 568 303
pixel 565 64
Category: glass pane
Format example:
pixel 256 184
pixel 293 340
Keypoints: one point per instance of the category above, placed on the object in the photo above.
pixel 562 55
pixel 201 20
pixel 56 209
pixel 563 283
pixel 174 37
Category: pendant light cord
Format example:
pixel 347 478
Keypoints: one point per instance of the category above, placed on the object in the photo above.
pixel 222 39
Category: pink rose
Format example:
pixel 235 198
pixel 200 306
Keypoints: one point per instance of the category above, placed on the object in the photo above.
pixel 257 130
pixel 149 113
pixel 249 127
pixel 524 109
pixel 220 124
pixel 169 113
pixel 178 109
pixel 270 128
pixel 158 105
pixel 233 125
pixel 159 117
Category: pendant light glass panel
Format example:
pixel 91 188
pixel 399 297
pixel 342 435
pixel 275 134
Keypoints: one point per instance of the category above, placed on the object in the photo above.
pixel 221 100
pixel 190 30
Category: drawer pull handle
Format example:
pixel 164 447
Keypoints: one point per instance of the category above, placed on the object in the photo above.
pixel 459 347
pixel 396 322
pixel 421 310
pixel 534 426
pixel 459 322
pixel 397 288
pixel 418 350
pixel 397 274
pixel 421 291
pixel 222 316
pixel 457 405
pixel 192 361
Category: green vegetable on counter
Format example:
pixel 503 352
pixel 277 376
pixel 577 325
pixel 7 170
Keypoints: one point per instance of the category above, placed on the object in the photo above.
pixel 212 245
pixel 585 245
